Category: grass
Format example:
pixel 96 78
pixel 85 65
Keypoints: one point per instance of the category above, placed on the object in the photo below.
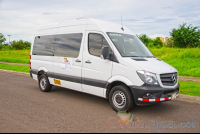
pixel 177 53
pixel 186 61
pixel 190 88
pixel 18 68
pixel 15 56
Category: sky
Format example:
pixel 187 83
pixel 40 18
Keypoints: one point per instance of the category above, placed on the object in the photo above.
pixel 155 18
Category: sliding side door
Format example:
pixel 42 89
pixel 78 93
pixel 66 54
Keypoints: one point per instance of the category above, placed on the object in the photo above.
pixel 68 61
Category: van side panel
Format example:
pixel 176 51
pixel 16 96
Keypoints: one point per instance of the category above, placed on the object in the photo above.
pixel 131 76
pixel 38 61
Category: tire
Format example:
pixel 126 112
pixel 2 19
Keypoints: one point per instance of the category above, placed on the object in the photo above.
pixel 44 84
pixel 120 98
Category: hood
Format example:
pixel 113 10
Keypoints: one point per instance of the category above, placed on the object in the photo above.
pixel 153 65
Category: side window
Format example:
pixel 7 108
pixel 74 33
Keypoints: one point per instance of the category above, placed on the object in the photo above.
pixel 95 43
pixel 44 45
pixel 68 45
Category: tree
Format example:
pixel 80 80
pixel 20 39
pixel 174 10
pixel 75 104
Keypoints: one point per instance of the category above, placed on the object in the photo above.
pixel 150 42
pixel 157 42
pixel 20 45
pixel 170 42
pixel 143 38
pixel 2 38
pixel 186 36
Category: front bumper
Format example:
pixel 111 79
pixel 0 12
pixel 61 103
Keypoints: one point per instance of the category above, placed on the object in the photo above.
pixel 158 94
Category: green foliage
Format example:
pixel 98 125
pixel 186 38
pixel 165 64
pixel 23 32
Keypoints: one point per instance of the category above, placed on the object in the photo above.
pixel 190 88
pixel 2 38
pixel 186 61
pixel 21 45
pixel 176 53
pixel 6 48
pixel 143 38
pixel 170 43
pixel 15 56
pixel 15 45
pixel 157 43
pixel 186 36
pixel 18 68
pixel 151 43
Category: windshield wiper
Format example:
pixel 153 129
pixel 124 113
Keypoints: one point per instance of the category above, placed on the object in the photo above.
pixel 135 56
pixel 148 56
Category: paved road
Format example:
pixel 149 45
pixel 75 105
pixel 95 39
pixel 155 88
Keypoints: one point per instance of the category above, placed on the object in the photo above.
pixel 24 108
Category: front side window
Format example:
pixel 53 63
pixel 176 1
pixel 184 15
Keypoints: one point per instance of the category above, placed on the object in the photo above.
pixel 95 43
pixel 129 45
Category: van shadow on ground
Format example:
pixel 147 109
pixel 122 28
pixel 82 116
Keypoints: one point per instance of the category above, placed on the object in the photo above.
pixel 154 110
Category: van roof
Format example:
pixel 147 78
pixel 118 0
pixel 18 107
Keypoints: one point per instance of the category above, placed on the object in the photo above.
pixel 90 25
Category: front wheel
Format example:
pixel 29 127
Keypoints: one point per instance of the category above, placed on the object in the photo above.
pixel 120 98
pixel 44 84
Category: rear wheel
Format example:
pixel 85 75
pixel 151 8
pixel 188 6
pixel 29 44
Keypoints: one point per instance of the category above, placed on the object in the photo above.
pixel 120 98
pixel 44 84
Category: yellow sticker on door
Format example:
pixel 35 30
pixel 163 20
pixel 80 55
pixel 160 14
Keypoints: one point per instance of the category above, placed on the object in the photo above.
pixel 57 82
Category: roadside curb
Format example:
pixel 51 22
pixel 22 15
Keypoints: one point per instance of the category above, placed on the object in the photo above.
pixel 8 63
pixel 10 71
pixel 188 98
pixel 192 79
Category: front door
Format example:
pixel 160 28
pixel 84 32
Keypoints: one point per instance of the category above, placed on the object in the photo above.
pixel 96 71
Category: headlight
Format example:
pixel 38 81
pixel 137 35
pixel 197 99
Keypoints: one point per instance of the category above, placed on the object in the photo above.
pixel 148 78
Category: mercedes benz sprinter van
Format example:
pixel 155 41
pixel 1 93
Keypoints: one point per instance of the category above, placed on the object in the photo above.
pixel 103 59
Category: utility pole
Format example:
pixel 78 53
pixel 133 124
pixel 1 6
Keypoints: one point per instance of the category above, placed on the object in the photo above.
pixel 9 39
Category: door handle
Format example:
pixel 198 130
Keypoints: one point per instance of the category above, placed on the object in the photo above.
pixel 88 61
pixel 78 60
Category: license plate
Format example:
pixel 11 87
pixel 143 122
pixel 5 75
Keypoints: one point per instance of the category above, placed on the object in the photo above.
pixel 174 96
pixel 57 82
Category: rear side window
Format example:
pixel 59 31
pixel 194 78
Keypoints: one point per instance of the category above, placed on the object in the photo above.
pixel 68 45
pixel 96 42
pixel 44 45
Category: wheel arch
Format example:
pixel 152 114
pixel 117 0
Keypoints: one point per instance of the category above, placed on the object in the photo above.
pixel 41 71
pixel 115 81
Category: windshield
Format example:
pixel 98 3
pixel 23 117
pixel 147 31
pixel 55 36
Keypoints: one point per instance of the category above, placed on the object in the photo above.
pixel 129 45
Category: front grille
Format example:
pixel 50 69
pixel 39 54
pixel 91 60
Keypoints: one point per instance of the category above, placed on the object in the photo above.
pixel 169 79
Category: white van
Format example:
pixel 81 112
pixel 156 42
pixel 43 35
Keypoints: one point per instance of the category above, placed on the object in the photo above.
pixel 103 59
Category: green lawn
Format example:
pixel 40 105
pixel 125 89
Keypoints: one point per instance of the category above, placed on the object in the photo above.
pixel 18 68
pixel 15 56
pixel 186 61
pixel 190 88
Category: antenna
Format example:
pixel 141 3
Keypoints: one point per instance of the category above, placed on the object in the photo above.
pixel 122 23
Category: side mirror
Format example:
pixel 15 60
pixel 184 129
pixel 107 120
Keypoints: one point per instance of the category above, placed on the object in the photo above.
pixel 106 54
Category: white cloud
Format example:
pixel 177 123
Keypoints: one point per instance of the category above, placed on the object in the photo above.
pixel 152 17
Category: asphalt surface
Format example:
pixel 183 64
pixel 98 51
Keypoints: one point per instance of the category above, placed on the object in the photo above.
pixel 24 108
